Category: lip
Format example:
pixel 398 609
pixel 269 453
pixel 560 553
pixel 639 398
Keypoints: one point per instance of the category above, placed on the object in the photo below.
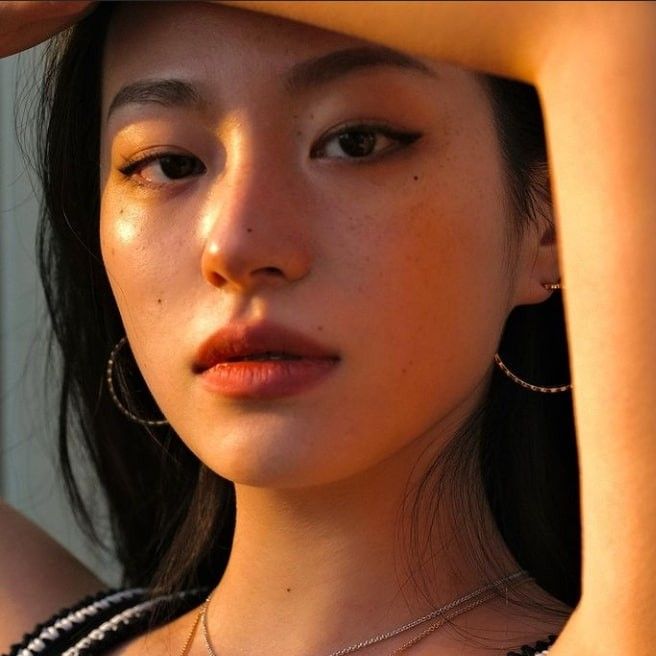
pixel 222 371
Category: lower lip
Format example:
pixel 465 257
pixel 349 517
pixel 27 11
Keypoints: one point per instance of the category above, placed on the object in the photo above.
pixel 271 379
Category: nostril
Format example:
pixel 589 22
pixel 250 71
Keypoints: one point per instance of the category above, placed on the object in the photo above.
pixel 272 271
pixel 215 279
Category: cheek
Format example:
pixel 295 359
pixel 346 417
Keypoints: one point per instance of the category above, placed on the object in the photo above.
pixel 433 252
pixel 138 264
pixel 125 259
pixel 426 276
pixel 434 235
pixel 146 281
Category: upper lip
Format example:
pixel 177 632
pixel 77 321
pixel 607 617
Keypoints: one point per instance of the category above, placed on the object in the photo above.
pixel 237 340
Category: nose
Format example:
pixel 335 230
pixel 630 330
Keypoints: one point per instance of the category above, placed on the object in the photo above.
pixel 255 232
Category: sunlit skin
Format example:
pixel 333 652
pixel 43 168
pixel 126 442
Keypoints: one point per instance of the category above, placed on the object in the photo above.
pixel 398 261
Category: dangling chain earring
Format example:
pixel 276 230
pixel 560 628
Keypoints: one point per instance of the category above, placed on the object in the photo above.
pixel 551 286
pixel 110 384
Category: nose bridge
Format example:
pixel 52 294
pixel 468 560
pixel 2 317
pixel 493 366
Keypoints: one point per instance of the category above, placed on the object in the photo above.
pixel 252 231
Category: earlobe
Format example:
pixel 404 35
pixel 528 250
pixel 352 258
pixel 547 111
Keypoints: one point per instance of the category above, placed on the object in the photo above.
pixel 538 268
pixel 539 271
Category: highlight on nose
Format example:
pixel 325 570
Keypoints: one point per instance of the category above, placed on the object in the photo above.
pixel 248 259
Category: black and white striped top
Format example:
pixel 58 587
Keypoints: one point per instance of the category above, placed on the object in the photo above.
pixel 100 622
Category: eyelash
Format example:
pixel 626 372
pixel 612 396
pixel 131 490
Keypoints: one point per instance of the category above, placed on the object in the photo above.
pixel 372 129
pixel 134 166
pixel 403 139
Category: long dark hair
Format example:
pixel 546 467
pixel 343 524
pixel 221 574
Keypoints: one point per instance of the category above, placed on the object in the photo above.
pixel 172 519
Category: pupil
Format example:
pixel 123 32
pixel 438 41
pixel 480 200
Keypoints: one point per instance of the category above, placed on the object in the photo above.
pixel 178 166
pixel 357 144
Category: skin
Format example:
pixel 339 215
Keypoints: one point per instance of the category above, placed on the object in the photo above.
pixel 592 64
pixel 399 263
pixel 25 24
pixel 31 555
pixel 269 232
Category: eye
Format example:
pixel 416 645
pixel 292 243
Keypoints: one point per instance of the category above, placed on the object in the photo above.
pixel 158 169
pixel 361 142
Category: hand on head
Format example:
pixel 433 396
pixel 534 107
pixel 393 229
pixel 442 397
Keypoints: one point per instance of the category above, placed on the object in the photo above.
pixel 25 24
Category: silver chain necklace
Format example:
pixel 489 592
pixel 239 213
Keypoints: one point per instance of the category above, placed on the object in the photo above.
pixel 446 612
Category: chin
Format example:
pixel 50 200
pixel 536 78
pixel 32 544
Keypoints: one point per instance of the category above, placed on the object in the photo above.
pixel 273 457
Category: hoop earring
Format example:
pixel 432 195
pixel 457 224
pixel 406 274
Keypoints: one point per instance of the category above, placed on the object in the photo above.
pixel 553 389
pixel 112 392
pixel 534 388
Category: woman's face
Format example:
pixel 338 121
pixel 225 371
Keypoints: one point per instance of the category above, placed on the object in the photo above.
pixel 253 175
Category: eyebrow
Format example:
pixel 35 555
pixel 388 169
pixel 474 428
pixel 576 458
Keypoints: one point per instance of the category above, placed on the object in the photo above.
pixel 301 77
pixel 327 68
pixel 168 93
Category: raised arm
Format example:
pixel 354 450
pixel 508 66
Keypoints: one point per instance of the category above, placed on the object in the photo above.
pixel 593 65
pixel 38 577
pixel 24 24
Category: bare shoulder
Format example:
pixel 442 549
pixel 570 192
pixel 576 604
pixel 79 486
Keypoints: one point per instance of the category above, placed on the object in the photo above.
pixel 38 577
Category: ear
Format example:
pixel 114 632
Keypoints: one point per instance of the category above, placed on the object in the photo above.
pixel 537 260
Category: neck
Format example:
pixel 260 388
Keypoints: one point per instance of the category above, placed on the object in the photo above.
pixel 331 564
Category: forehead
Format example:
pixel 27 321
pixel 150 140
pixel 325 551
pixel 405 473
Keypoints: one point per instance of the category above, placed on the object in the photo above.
pixel 216 24
pixel 146 37
pixel 211 42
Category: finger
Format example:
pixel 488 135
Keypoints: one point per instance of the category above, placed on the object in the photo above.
pixel 25 24
pixel 37 10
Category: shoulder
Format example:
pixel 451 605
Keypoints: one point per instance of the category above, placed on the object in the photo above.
pixel 38 575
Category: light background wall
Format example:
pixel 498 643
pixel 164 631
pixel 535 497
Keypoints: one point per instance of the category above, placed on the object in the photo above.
pixel 28 421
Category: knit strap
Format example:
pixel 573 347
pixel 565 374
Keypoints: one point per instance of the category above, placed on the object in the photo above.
pixel 50 637
pixel 100 621
pixel 540 648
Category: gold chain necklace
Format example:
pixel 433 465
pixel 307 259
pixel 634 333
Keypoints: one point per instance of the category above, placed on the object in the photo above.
pixel 441 616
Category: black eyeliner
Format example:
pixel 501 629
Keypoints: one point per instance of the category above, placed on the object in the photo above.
pixel 131 166
pixel 404 138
